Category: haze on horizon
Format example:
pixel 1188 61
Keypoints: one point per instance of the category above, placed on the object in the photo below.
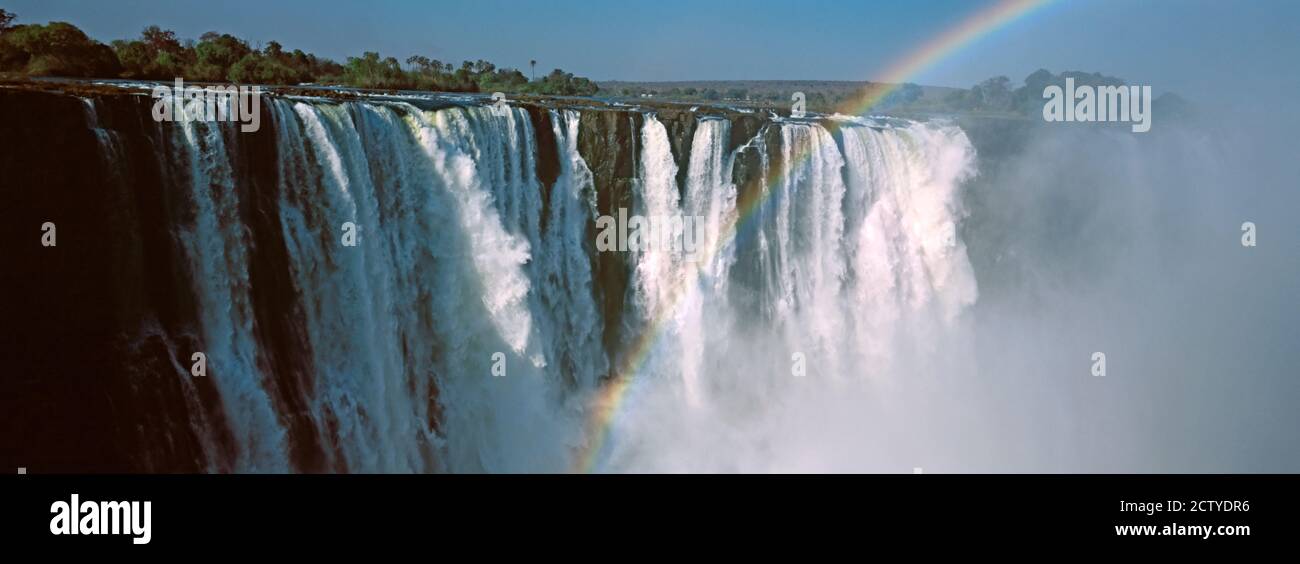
pixel 1185 46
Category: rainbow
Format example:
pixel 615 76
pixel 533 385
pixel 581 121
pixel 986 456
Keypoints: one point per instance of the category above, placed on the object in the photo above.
pixel 613 394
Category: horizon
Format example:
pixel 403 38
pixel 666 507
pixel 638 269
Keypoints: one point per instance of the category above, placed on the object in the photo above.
pixel 682 42
pixel 994 240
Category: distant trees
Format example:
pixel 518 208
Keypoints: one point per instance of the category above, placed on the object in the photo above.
pixel 157 55
pixel 820 95
pixel 432 74
pixel 998 95
pixel 60 49
pixel 560 83
pixel 992 94
pixel 369 71
pixel 503 80
pixel 271 65
pixel 215 54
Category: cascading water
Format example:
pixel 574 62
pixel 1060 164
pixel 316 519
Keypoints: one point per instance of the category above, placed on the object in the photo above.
pixel 215 245
pixel 566 279
pixel 406 325
pixel 710 197
pixel 905 255
pixel 851 243
pixel 464 327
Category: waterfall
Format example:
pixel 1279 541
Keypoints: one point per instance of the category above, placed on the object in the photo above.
pixel 659 268
pixel 216 247
pixel 440 305
pixel 858 260
pixel 566 279
pixel 406 326
pixel 809 236
pixel 107 137
pixel 711 196
pixel 905 254
pixel 350 296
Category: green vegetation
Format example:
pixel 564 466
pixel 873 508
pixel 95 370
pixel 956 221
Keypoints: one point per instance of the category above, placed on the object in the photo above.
pixel 55 49
pixel 994 97
pixel 819 95
pixel 476 76
pixel 60 49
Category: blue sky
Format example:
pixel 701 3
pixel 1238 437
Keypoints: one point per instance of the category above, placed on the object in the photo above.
pixel 1188 46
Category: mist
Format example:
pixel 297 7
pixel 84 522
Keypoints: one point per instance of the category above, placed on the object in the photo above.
pixel 1082 239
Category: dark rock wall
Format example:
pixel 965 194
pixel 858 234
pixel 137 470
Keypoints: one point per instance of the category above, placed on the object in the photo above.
pixel 99 330
pixel 90 380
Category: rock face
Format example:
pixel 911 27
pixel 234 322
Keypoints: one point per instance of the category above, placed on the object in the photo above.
pixel 680 123
pixel 92 383
pixel 548 155
pixel 608 142
pixel 103 325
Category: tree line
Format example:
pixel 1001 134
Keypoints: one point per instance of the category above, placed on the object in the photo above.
pixel 60 49
pixel 819 95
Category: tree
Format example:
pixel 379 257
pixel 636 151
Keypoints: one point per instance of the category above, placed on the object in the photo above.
pixel 215 54
pixel 274 50
pixel 55 49
pixel 60 49
pixel 1028 99
pixel 503 80
pixel 481 67
pixel 6 18
pixel 418 62
pixel 157 55
pixel 258 68
pixel 369 71
pixel 161 40
pixel 562 83
pixel 992 94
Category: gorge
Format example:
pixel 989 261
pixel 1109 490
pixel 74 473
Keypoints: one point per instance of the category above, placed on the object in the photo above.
pixel 478 237
pixel 474 325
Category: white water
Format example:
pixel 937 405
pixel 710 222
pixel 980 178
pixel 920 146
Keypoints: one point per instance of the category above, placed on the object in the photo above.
pixel 461 259
pixel 566 288
pixel 216 247
pixel 405 326
pixel 860 263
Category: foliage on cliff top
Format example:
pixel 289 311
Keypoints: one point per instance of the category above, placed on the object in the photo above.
pixel 60 49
